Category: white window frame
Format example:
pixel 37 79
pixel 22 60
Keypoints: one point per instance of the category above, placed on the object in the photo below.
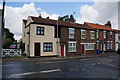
pixel 111 32
pixel 73 33
pixel 91 34
pixel 97 34
pixel 104 34
pixel 82 30
pixel 111 44
pixel 92 48
pixel 108 46
pixel 89 46
pixel 72 42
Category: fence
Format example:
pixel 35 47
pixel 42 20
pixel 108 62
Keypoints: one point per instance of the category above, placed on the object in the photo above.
pixel 11 52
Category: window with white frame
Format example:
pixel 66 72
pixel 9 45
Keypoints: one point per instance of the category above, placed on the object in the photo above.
pixel 72 46
pixel 92 34
pixel 97 34
pixel 71 32
pixel 111 34
pixel 83 34
pixel 104 34
pixel 107 45
pixel 110 45
pixel 89 46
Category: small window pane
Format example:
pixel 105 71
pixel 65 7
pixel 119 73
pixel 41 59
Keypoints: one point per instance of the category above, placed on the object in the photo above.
pixel 48 47
pixel 40 30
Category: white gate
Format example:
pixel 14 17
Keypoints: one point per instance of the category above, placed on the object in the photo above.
pixel 11 52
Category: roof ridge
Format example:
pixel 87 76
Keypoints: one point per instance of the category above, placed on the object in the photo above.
pixel 98 24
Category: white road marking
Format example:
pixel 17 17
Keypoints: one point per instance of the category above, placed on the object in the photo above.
pixel 29 73
pixel 92 64
pixel 52 62
pixel 8 65
pixel 98 63
pixel 83 69
pixel 54 70
pixel 74 69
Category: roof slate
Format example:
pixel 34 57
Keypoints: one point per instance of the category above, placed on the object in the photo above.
pixel 60 23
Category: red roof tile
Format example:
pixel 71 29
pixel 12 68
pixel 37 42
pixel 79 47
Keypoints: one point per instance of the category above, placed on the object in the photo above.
pixel 98 26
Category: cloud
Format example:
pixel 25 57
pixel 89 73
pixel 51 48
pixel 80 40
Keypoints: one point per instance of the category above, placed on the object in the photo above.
pixel 15 15
pixel 52 16
pixel 100 12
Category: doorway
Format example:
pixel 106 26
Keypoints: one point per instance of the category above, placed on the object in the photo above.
pixel 62 50
pixel 37 49
pixel 83 49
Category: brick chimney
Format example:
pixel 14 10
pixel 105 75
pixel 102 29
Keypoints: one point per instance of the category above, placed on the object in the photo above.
pixel 47 17
pixel 72 19
pixel 40 16
pixel 108 24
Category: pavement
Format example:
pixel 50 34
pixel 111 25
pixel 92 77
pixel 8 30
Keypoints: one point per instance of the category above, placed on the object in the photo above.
pixel 58 58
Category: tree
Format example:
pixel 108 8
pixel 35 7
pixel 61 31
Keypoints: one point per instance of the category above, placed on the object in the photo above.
pixel 9 38
pixel 9 34
pixel 64 18
pixel 67 18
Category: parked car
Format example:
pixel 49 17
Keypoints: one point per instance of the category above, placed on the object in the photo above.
pixel 13 46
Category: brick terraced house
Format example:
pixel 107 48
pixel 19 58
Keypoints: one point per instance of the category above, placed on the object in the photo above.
pixel 46 37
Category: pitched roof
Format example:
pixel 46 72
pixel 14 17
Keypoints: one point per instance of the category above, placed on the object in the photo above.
pixel 98 26
pixel 25 21
pixel 60 23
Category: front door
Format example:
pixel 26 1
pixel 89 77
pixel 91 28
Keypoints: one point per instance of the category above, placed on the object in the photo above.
pixel 37 49
pixel 62 50
pixel 83 49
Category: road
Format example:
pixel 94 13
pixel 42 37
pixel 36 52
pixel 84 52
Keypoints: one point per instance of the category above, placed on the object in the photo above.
pixel 97 67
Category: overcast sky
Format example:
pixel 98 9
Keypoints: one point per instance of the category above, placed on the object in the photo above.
pixel 94 12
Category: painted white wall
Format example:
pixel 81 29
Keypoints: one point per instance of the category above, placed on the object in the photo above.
pixel 47 37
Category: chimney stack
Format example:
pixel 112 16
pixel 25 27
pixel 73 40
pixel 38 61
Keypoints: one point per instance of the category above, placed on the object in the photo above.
pixel 40 16
pixel 108 24
pixel 72 19
pixel 47 17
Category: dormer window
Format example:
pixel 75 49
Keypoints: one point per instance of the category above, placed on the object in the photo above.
pixel 40 30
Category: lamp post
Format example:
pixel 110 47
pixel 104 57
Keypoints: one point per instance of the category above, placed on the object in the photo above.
pixel 57 41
